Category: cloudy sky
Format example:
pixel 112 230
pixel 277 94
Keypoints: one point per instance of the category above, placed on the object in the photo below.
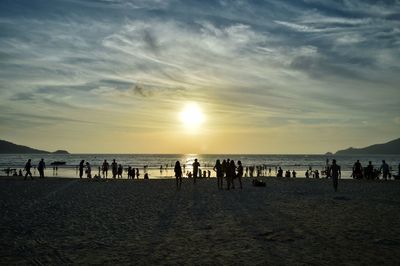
pixel 274 76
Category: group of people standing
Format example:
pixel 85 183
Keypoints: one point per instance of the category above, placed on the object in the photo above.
pixel 370 172
pixel 227 169
pixel 116 170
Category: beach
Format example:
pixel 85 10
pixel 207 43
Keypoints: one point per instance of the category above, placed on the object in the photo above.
pixel 148 222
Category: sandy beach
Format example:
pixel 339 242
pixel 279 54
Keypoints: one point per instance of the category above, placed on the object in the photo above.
pixel 148 222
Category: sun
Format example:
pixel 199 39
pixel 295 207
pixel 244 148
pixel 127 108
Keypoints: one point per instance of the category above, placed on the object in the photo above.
pixel 192 116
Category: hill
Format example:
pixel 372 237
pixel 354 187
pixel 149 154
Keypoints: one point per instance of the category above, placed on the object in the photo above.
pixel 11 148
pixel 391 147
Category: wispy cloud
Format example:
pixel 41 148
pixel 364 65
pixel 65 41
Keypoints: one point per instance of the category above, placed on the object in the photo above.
pixel 265 64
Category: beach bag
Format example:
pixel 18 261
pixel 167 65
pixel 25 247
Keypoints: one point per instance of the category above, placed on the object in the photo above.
pixel 258 183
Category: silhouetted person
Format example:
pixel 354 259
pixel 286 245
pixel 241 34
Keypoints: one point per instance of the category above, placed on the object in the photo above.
pixel 239 174
pixel 195 165
pixel 220 175
pixel 316 174
pixel 335 173
pixel 369 173
pixel 385 170
pixel 114 168
pixel 178 174
pixel 294 174
pixel 137 173
pixel 280 172
pixel 287 173
pixel 88 170
pixel 307 174
pixel 81 166
pixel 357 170
pixel 41 167
pixel 104 168
pixel 231 174
pixel 28 167
pixel 120 170
pixel 20 172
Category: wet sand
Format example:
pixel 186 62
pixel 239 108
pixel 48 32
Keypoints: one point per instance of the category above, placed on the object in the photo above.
pixel 148 222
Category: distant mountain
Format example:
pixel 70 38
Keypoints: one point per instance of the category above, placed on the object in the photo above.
pixel 391 147
pixel 9 147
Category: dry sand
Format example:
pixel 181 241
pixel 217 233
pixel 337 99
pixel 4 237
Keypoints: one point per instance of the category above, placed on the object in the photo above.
pixel 289 222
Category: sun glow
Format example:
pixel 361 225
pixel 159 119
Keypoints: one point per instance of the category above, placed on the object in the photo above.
pixel 192 116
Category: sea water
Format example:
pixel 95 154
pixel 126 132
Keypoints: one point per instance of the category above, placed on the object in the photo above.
pixel 162 165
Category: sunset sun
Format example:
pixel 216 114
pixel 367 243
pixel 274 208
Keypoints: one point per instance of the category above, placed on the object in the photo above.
pixel 192 116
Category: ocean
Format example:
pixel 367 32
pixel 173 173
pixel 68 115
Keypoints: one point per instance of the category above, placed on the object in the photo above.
pixel 151 163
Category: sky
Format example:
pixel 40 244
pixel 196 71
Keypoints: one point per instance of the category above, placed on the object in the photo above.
pixel 269 77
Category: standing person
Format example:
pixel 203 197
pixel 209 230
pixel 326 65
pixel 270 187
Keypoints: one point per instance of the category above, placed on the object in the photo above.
pixel 231 173
pixel 178 175
pixel 81 166
pixel 137 173
pixel 369 171
pixel 114 168
pixel 41 167
pixel 384 169
pixel 88 170
pixel 28 167
pixel 357 170
pixel 195 165
pixel 220 175
pixel 240 173
pixel 120 170
pixel 335 173
pixel 104 169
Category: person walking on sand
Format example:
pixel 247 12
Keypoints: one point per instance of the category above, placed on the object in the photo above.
pixel 335 173
pixel 114 168
pixel 220 175
pixel 178 174
pixel 104 169
pixel 385 170
pixel 81 166
pixel 41 167
pixel 195 165
pixel 28 167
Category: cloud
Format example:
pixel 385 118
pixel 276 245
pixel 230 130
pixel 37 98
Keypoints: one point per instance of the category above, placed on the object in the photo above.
pixel 261 61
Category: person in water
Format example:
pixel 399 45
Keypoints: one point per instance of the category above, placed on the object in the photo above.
pixel 357 170
pixel 335 173
pixel 178 174
pixel 385 170
pixel 28 167
pixel 220 175
pixel 41 167
pixel 195 165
